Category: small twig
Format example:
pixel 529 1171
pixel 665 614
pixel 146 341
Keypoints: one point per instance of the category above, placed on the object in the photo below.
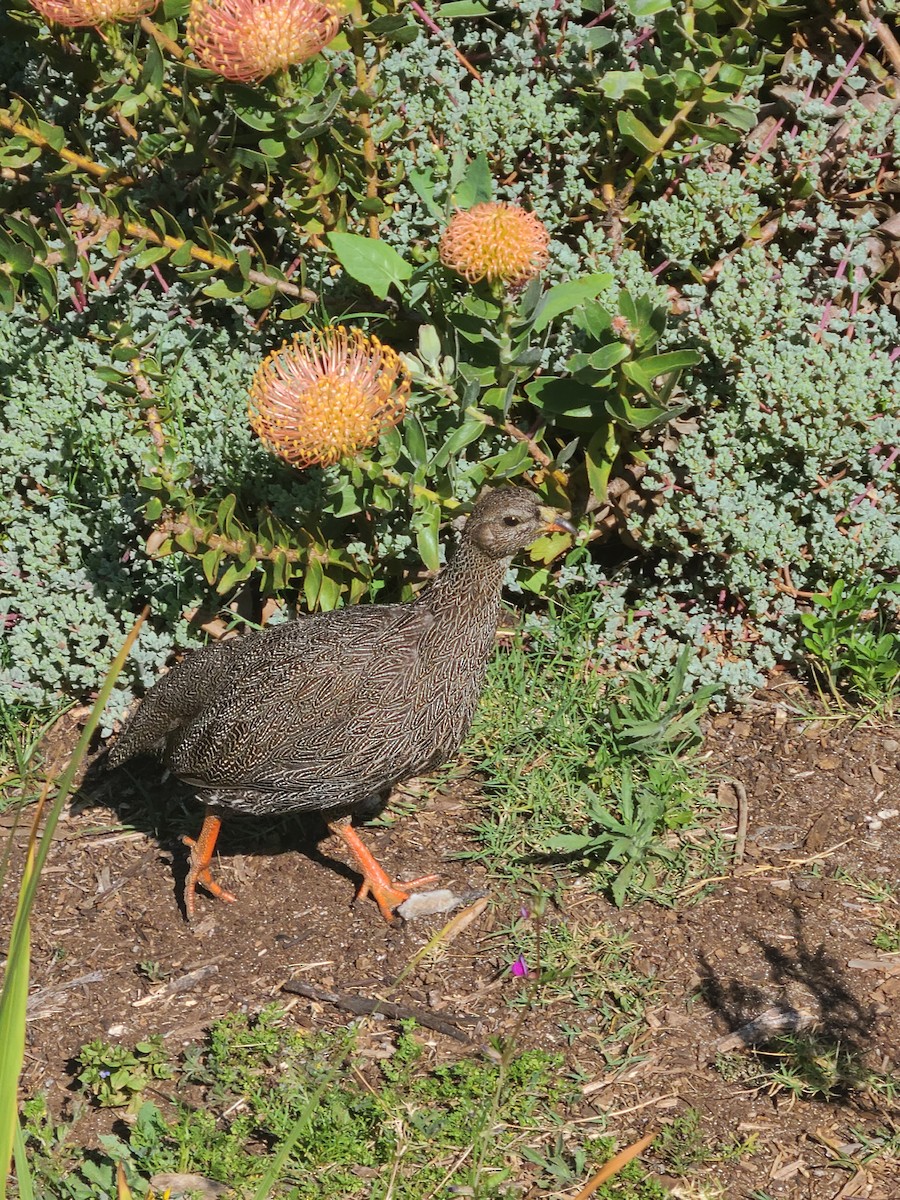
pixel 48 995
pixel 364 1006
pixel 174 987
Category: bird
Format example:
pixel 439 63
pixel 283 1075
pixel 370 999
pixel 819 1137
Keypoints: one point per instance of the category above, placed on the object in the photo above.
pixel 324 712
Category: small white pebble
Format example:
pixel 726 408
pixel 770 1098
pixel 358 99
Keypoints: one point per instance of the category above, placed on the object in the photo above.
pixel 425 904
pixel 886 814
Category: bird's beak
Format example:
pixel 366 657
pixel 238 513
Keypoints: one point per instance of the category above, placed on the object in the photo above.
pixel 555 522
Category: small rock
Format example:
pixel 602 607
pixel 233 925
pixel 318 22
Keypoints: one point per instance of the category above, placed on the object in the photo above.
pixel 426 904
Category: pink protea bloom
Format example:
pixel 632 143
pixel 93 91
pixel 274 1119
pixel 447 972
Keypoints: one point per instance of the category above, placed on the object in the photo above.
pixel 326 395
pixel 248 40
pixel 79 13
pixel 496 241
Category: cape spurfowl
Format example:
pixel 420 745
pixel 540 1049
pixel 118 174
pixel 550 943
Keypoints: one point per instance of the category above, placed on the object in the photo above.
pixel 323 712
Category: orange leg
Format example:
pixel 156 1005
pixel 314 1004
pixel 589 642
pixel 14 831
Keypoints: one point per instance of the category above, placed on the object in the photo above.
pixel 385 891
pixel 201 857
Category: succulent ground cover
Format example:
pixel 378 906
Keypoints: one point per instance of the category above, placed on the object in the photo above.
pixel 646 261
pixel 283 285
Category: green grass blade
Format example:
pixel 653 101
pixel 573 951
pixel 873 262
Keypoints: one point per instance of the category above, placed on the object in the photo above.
pixel 23 1172
pixel 13 1002
pixel 14 997
pixel 277 1165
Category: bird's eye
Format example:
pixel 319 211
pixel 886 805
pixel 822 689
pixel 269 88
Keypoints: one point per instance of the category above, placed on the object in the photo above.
pixel 510 520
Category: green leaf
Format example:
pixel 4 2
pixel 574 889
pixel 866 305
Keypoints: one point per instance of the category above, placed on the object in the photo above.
pixel 615 85
pixel 603 359
pixel 422 183
pixel 427 523
pixel 563 297
pixel 477 186
pixel 251 107
pixel 458 440
pixel 464 8
pixel 643 371
pixel 562 398
pixel 596 38
pixel 210 563
pixel 636 131
pixel 414 439
pixel 648 8
pixel 371 262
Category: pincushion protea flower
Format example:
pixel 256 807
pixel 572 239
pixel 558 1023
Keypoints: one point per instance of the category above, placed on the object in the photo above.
pixel 328 394
pixel 495 241
pixel 78 13
pixel 248 40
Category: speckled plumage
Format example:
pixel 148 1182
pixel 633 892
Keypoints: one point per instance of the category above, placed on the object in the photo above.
pixel 322 712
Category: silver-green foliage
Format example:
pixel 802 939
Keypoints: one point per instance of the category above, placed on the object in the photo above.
pixel 780 485
pixel 71 450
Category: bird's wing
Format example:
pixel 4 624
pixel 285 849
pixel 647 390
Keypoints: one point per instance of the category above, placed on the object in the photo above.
pixel 175 699
pixel 286 702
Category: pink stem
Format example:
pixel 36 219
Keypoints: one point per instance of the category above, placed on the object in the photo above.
pixel 431 24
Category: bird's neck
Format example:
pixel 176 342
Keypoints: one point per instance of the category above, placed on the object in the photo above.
pixel 471 581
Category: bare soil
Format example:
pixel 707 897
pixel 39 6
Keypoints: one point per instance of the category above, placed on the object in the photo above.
pixel 786 931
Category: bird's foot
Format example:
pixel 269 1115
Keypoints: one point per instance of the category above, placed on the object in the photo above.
pixel 388 893
pixel 376 881
pixel 199 872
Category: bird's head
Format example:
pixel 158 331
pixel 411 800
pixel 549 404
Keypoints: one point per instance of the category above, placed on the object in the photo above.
pixel 506 520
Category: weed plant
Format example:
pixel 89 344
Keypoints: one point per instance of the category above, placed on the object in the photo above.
pixel 406 1127
pixel 588 768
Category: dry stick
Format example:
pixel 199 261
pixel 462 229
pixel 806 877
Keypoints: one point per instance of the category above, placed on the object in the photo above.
pixel 614 1165
pixel 883 33
pixel 364 1006
pixel 741 840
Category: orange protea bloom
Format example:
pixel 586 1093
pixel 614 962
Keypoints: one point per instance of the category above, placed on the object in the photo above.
pixel 330 393
pixel 78 13
pixel 248 40
pixel 496 241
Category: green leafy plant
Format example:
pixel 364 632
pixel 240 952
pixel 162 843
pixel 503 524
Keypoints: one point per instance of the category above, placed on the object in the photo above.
pixel 887 937
pixel 116 1075
pixel 654 714
pixel 304 1096
pixel 627 837
pixel 582 764
pixel 853 641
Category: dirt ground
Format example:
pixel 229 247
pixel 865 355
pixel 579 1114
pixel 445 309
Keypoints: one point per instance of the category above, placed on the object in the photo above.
pixel 789 930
